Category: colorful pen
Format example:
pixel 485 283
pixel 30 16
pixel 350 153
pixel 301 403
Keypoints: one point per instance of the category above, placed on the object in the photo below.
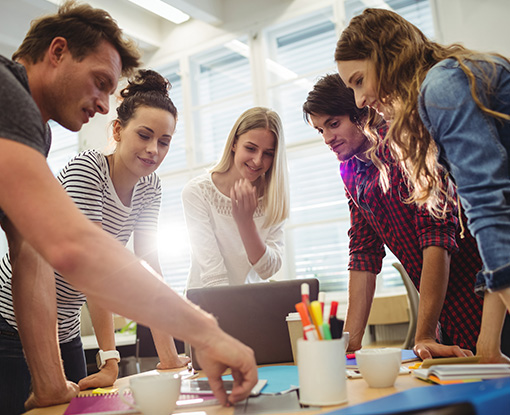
pixel 305 294
pixel 333 309
pixel 316 314
pixel 336 326
pixel 326 332
pixel 308 329
pixel 322 298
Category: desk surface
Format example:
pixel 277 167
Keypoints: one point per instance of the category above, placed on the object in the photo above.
pixel 357 392
pixel 121 339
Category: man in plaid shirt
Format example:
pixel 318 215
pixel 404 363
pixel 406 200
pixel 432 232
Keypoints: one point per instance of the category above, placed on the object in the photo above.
pixel 441 264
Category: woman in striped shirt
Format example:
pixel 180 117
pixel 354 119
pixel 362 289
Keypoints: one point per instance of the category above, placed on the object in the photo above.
pixel 121 193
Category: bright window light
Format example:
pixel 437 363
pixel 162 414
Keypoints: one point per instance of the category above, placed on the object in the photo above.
pixel 163 9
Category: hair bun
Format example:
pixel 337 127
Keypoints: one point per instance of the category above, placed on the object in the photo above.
pixel 146 81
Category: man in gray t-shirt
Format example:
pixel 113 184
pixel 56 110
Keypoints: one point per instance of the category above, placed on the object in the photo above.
pixel 20 119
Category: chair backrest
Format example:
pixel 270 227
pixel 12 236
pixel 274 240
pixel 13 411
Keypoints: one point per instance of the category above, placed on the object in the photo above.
pixel 145 346
pixel 414 301
pixel 144 343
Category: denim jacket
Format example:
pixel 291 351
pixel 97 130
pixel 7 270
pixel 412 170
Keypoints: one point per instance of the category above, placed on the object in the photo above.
pixel 475 147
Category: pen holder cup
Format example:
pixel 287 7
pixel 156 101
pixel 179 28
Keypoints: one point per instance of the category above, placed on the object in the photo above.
pixel 321 369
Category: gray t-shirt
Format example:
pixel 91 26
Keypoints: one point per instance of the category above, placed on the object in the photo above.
pixel 20 118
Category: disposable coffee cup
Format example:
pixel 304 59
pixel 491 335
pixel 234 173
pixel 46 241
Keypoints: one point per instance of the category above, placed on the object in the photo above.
pixel 321 369
pixel 295 332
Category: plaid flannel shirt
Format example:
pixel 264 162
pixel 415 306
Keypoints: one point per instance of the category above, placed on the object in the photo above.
pixel 379 219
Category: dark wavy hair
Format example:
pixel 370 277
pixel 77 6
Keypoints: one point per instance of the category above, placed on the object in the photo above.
pixel 330 96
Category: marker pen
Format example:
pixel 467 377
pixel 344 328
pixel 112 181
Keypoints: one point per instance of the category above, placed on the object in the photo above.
pixel 322 299
pixel 326 332
pixel 333 309
pixel 305 294
pixel 336 326
pixel 308 329
pixel 316 315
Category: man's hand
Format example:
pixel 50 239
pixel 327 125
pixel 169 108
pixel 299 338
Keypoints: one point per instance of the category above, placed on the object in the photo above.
pixel 55 398
pixel 105 377
pixel 180 361
pixel 427 349
pixel 226 352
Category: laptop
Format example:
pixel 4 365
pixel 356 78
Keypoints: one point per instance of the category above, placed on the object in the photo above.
pixel 255 314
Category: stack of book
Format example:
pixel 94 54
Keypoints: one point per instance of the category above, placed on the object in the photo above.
pixel 461 373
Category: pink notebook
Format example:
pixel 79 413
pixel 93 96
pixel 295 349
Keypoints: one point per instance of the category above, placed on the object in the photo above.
pixel 110 404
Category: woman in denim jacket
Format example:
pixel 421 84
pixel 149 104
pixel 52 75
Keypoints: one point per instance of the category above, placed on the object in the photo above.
pixel 448 107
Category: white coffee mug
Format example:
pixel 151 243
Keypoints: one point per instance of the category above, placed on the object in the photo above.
pixel 379 367
pixel 153 394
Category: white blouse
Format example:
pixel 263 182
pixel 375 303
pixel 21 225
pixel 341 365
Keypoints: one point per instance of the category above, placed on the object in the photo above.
pixel 218 256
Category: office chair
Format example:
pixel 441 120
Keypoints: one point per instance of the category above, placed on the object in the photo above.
pixel 146 353
pixel 414 300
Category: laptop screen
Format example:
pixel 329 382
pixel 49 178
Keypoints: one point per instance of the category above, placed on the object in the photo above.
pixel 255 314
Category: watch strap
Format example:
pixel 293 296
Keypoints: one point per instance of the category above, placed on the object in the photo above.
pixel 104 355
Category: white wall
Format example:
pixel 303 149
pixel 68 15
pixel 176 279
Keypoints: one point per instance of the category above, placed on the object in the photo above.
pixel 239 16
pixel 482 25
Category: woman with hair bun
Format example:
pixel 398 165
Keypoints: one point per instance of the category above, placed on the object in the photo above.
pixel 121 193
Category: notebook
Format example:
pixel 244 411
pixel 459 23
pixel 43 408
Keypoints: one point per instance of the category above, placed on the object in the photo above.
pixel 255 314
pixel 111 404
pixel 445 374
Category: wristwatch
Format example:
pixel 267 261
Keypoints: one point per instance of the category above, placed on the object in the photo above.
pixel 103 356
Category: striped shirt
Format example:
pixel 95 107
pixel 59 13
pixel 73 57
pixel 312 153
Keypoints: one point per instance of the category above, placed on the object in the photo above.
pixel 87 180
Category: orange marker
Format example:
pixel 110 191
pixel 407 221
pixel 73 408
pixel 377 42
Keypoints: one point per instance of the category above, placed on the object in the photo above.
pixel 308 329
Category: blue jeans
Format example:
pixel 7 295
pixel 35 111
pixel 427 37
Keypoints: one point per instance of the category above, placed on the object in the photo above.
pixel 14 374
pixel 475 147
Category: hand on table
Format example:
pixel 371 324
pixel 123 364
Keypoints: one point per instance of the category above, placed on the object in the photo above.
pixel 427 349
pixel 180 361
pixel 57 397
pixel 223 353
pixel 244 200
pixel 105 377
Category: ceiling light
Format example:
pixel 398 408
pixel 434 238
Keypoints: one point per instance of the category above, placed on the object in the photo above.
pixel 163 9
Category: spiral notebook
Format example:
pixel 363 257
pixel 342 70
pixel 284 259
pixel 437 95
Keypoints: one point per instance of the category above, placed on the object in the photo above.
pixel 110 404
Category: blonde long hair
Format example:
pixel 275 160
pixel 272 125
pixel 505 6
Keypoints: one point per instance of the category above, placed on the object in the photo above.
pixel 275 181
pixel 402 55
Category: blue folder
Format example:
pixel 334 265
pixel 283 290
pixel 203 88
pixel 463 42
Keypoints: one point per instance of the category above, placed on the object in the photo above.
pixel 488 397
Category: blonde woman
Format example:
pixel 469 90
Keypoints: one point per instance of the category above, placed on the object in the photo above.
pixel 448 104
pixel 236 212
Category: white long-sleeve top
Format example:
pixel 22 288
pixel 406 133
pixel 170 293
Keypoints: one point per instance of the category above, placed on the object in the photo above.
pixel 218 256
